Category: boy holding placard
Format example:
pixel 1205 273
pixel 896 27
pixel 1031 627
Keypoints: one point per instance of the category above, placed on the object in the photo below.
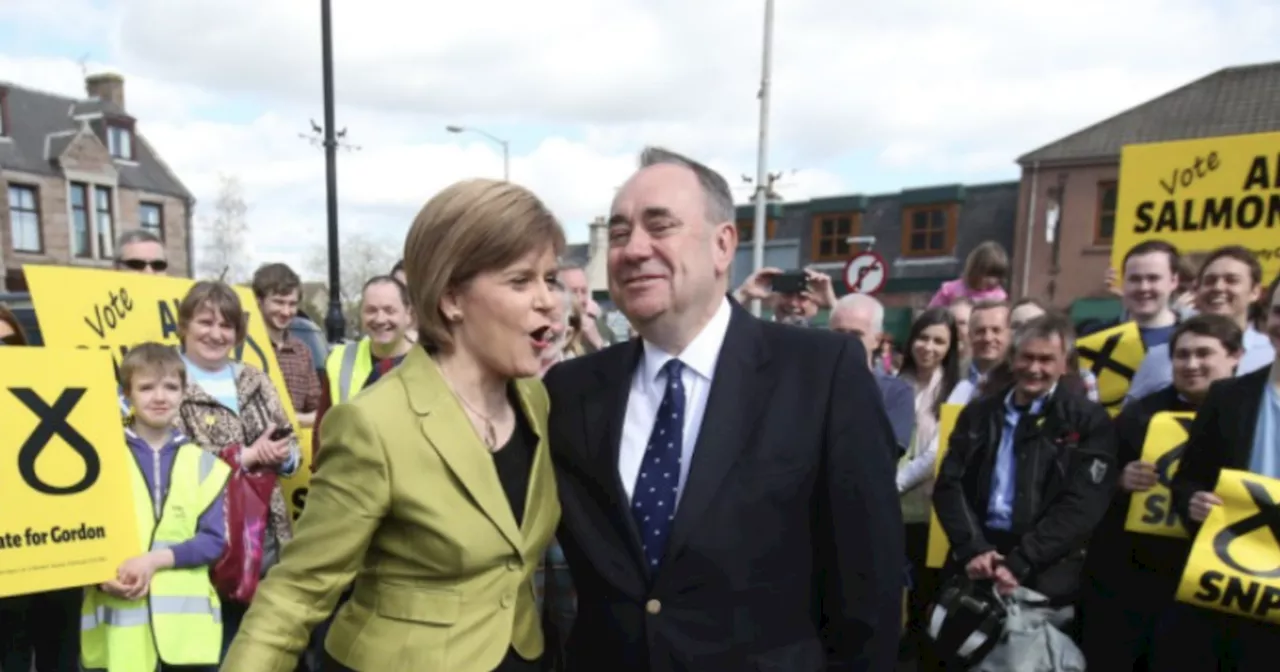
pixel 161 612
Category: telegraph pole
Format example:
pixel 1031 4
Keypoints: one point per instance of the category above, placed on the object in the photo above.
pixel 763 181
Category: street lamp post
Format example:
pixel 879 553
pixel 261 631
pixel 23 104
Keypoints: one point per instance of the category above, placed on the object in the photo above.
pixel 334 323
pixel 506 148
pixel 762 157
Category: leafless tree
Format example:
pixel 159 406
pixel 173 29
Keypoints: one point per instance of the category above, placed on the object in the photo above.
pixel 221 245
pixel 363 257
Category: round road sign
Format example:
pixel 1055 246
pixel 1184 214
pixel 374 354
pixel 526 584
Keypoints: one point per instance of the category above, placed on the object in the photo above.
pixel 866 273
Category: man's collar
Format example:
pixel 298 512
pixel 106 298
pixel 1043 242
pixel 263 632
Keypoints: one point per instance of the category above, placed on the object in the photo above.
pixel 1036 405
pixel 702 352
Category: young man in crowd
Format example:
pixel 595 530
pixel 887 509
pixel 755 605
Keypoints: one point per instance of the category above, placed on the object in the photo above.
pixel 278 290
pixel 1150 280
pixel 1230 281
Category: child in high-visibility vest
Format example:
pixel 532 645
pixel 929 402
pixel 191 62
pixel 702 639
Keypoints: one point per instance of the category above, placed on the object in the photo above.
pixel 161 612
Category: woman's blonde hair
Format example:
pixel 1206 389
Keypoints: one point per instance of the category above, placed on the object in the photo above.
pixel 467 229
pixel 988 260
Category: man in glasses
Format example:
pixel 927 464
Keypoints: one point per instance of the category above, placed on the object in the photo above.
pixel 141 251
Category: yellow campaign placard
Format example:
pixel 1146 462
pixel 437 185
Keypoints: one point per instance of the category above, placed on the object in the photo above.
pixel 1234 565
pixel 1113 355
pixel 1200 195
pixel 1151 512
pixel 938 544
pixel 66 504
pixel 296 487
pixel 114 310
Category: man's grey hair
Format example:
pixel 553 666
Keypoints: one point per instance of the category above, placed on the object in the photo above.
pixel 862 302
pixel 570 265
pixel 136 236
pixel 1046 327
pixel 714 187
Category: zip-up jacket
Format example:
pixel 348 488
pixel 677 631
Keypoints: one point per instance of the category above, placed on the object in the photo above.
pixel 1065 470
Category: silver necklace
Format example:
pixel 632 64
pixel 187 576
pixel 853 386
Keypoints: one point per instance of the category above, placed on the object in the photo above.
pixel 490 434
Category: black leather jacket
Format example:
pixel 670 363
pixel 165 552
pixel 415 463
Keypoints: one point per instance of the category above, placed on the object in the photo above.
pixel 1065 475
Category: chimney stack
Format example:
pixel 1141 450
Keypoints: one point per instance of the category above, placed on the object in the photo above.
pixel 597 249
pixel 106 86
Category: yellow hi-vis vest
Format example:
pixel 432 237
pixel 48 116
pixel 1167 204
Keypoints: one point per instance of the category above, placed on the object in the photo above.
pixel 180 620
pixel 347 368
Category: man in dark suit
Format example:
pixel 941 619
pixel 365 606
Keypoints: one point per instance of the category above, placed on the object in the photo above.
pixel 727 484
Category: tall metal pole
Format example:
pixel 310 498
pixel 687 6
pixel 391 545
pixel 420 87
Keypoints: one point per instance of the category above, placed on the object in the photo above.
pixel 506 162
pixel 762 157
pixel 334 324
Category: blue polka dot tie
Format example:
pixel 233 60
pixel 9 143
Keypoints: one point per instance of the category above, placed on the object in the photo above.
pixel 654 501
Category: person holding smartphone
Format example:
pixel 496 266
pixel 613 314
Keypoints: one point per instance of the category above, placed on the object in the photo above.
pixel 232 409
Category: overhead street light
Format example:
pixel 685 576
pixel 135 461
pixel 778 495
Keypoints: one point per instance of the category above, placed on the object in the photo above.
pixel 506 148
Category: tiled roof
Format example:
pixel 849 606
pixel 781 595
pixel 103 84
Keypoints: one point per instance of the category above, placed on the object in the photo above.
pixel 41 124
pixel 575 254
pixel 1233 101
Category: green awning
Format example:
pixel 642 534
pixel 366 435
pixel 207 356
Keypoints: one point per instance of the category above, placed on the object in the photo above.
pixel 897 323
pixel 1100 309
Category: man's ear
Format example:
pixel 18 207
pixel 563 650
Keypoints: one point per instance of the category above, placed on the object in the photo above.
pixel 725 245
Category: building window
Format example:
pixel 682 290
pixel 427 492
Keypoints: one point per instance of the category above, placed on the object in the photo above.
pixel 928 231
pixel 104 225
pixel 1105 228
pixel 747 230
pixel 24 219
pixel 151 218
pixel 831 233
pixel 120 142
pixel 81 238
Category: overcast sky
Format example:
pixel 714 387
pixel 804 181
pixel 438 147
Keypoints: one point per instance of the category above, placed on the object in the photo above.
pixel 868 97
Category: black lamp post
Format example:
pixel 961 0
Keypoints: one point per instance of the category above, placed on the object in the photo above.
pixel 333 321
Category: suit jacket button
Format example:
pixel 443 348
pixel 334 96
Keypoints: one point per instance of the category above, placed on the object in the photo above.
pixel 507 601
pixel 654 607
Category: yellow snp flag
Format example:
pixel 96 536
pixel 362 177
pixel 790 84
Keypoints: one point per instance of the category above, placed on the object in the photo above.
pixel 66 504
pixel 1234 565
pixel 938 544
pixel 112 311
pixel 1113 355
pixel 1151 512
pixel 1200 195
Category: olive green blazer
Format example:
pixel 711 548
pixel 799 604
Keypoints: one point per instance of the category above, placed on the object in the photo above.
pixel 407 503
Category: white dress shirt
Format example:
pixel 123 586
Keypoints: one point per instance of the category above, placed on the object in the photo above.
pixel 648 385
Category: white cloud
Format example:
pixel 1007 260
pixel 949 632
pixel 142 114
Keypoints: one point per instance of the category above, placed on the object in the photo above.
pixel 866 97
